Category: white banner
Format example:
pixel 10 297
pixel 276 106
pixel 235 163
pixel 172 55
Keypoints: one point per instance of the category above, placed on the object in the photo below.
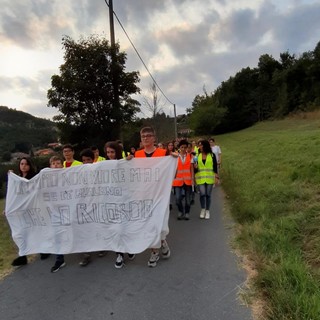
pixel 116 205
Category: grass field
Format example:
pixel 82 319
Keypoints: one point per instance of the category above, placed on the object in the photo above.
pixel 271 174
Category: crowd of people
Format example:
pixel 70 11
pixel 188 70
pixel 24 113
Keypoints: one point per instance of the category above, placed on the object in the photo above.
pixel 197 172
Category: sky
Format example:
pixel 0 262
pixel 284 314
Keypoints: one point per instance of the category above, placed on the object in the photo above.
pixel 187 45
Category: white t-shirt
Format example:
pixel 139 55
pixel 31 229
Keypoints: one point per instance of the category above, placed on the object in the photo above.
pixel 217 151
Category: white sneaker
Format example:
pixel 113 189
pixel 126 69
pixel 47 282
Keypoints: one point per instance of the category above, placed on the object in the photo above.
pixel 153 259
pixel 207 215
pixel 165 250
pixel 119 262
pixel 202 213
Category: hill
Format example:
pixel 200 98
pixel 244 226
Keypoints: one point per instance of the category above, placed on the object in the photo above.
pixel 20 131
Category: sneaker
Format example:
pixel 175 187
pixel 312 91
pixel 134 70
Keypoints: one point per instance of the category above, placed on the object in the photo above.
pixel 207 215
pixel 102 253
pixel 20 261
pixel 86 260
pixel 131 256
pixel 153 259
pixel 44 256
pixel 165 250
pixel 119 262
pixel 202 213
pixel 187 216
pixel 57 266
pixel 180 216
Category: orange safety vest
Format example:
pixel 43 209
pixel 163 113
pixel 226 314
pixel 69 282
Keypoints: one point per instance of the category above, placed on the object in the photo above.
pixel 157 153
pixel 183 174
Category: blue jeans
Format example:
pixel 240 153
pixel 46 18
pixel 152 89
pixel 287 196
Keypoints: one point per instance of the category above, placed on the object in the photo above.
pixel 205 195
pixel 183 191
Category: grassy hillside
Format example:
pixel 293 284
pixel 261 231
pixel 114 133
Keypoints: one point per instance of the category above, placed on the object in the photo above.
pixel 19 131
pixel 271 174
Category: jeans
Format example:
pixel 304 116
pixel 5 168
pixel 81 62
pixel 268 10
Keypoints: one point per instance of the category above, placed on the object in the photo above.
pixel 205 195
pixel 183 191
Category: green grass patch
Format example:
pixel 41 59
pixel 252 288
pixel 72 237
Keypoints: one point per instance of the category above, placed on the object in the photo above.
pixel 8 250
pixel 271 174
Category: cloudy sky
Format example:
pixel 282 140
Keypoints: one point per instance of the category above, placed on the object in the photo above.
pixel 186 44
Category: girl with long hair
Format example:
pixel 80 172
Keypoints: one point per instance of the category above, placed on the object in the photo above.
pixel 26 170
pixel 206 174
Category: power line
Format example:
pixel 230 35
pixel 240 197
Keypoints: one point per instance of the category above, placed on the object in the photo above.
pixel 135 49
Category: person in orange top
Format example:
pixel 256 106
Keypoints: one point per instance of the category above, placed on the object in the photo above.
pixel 183 181
pixel 148 138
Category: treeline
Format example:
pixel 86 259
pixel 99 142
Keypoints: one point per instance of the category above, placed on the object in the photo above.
pixel 274 89
pixel 21 132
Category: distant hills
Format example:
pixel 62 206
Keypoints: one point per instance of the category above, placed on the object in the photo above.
pixel 22 132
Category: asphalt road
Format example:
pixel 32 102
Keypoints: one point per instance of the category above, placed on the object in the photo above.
pixel 201 280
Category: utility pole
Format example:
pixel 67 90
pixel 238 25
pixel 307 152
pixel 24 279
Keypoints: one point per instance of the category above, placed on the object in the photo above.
pixel 112 39
pixel 175 122
pixel 116 102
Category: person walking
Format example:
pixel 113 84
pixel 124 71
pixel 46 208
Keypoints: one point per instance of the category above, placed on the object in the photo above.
pixel 68 154
pixel 183 181
pixel 205 175
pixel 57 163
pixel 26 170
pixel 216 150
pixel 114 151
pixel 148 138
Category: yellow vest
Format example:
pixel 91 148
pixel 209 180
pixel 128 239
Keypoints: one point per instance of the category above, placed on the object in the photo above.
pixel 124 156
pixel 100 159
pixel 205 172
pixel 74 163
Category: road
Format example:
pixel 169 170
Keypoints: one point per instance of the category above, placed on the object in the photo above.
pixel 201 280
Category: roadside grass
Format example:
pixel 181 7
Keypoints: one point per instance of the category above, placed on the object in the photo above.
pixel 8 250
pixel 271 175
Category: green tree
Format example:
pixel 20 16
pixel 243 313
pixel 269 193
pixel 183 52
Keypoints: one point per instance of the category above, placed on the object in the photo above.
pixel 205 114
pixel 266 92
pixel 84 91
pixel 279 81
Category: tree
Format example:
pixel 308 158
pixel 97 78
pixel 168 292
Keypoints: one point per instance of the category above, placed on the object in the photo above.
pixel 84 92
pixel 153 105
pixel 206 114
pixel 266 92
pixel 152 102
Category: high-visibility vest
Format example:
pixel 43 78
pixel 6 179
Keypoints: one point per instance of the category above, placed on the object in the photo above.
pixel 205 172
pixel 100 159
pixel 157 153
pixel 183 174
pixel 74 163
pixel 124 155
